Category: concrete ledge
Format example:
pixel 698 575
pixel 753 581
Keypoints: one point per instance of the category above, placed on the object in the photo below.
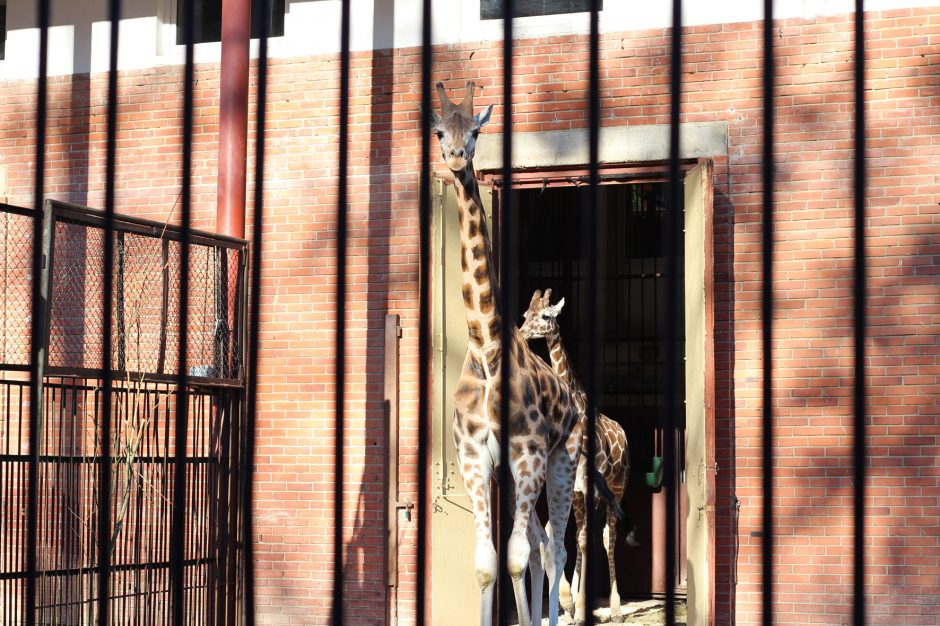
pixel 621 144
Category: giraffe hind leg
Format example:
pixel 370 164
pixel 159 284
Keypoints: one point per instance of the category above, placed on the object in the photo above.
pixel 618 485
pixel 569 592
pixel 476 470
pixel 559 487
pixel 610 546
pixel 539 550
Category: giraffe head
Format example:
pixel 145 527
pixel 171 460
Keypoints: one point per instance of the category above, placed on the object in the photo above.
pixel 541 319
pixel 457 128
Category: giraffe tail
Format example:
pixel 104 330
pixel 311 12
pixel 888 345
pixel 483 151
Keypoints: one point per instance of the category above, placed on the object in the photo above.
pixel 603 490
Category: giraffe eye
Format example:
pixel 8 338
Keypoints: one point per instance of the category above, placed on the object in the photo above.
pixel 440 134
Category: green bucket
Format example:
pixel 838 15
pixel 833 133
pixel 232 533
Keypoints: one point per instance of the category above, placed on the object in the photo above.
pixel 654 479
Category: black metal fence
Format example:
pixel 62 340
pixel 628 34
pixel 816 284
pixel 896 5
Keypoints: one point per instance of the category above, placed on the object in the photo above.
pixel 66 452
pixel 61 538
pixel 591 337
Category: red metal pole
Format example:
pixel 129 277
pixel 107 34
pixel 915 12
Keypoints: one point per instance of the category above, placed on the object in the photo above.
pixel 233 117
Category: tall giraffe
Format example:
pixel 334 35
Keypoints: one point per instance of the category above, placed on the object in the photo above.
pixel 612 459
pixel 544 432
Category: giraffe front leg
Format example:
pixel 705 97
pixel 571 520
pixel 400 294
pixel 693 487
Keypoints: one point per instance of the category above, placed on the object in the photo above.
pixel 610 546
pixel 476 472
pixel 486 561
pixel 558 487
pixel 519 552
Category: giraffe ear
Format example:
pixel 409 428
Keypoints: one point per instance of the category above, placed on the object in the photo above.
pixel 484 117
pixel 558 307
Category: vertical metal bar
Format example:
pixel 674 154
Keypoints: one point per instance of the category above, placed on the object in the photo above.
pixel 73 557
pixel 7 528
pixel 119 313
pixel 57 500
pixel 164 303
pixel 673 211
pixel 177 542
pixel 145 528
pixel 592 328
pixel 767 318
pixel 506 301
pixel 340 365
pixel 21 491
pixel 165 506
pixel 222 503
pixel 859 297
pixel 254 322
pixel 390 391
pixel 238 460
pixel 45 504
pixel 191 528
pixel 92 532
pixel 37 335
pixel 424 314
pixel 104 461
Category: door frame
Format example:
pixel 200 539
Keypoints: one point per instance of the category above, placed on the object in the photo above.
pixel 622 155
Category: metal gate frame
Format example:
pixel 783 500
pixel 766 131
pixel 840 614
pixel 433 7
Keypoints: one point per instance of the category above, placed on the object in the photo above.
pixel 70 457
pixel 594 107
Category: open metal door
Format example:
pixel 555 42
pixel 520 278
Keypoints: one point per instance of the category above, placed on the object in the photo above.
pixel 454 589
pixel 699 407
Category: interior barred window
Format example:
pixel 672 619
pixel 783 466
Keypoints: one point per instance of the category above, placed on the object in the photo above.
pixel 209 21
pixel 493 9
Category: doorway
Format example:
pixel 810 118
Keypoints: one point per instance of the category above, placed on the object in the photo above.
pixel 632 299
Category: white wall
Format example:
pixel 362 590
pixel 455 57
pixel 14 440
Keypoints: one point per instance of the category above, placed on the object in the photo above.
pixel 78 39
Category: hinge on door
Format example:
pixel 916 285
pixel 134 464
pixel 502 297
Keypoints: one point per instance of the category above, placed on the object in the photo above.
pixel 407 505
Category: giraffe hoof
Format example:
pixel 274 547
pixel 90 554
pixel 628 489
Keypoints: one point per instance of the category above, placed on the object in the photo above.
pixel 567 606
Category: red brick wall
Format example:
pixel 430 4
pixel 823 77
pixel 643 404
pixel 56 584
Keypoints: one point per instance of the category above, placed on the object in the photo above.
pixel 814 319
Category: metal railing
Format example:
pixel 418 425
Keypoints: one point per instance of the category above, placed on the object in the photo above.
pixel 219 347
pixel 72 447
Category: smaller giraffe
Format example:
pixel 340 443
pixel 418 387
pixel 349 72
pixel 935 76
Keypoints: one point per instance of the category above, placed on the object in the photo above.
pixel 612 460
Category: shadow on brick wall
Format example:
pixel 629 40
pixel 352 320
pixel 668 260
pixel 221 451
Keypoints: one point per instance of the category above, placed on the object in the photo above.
pixel 726 509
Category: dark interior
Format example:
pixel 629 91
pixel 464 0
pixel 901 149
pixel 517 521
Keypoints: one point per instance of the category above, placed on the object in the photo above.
pixel 633 301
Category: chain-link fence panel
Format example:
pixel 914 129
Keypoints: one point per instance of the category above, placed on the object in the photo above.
pixel 16 274
pixel 146 315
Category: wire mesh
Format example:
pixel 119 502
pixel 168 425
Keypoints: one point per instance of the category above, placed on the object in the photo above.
pixel 68 441
pixel 143 468
pixel 16 237
pixel 146 287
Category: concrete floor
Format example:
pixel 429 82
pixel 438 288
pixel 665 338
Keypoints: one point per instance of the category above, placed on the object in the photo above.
pixel 635 613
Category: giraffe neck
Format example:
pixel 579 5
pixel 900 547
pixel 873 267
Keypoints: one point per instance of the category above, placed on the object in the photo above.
pixel 479 285
pixel 560 362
